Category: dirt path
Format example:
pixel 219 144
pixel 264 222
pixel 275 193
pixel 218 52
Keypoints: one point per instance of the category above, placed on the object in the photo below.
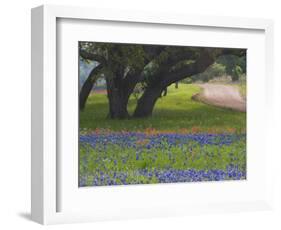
pixel 225 96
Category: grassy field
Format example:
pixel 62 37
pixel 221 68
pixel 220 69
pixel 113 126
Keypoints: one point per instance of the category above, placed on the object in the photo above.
pixel 138 158
pixel 243 89
pixel 175 111
pixel 183 141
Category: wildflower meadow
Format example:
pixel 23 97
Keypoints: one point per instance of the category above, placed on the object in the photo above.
pixel 153 114
pixel 126 152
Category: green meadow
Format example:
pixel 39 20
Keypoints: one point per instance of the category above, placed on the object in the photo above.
pixel 175 111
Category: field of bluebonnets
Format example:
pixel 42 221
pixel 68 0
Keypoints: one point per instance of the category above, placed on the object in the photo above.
pixel 184 141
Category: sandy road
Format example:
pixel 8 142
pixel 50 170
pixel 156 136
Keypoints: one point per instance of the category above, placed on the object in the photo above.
pixel 226 96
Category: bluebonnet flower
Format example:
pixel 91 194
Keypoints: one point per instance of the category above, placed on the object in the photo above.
pixel 142 146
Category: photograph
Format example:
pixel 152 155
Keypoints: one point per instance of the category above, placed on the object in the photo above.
pixel 154 113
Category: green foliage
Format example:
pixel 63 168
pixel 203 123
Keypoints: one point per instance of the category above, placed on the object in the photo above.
pixel 187 80
pixel 118 56
pixel 182 64
pixel 170 59
pixel 130 56
pixel 124 58
pixel 243 86
pixel 225 65
pixel 242 62
pixel 215 70
pixel 236 73
pixel 234 66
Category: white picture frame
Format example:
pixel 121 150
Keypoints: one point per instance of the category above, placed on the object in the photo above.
pixel 46 183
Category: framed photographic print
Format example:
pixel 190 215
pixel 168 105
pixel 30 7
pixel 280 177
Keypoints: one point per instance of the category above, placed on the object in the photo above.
pixel 137 114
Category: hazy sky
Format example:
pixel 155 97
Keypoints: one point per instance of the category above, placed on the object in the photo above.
pixel 85 69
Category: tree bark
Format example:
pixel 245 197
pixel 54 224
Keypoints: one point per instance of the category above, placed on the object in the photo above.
pixel 87 86
pixel 118 97
pixel 165 78
pixel 117 106
pixel 119 89
pixel 147 101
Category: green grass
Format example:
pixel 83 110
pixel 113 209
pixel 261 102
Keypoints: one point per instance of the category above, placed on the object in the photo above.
pixel 175 111
pixel 242 89
pixel 118 158
pixel 202 157
pixel 111 160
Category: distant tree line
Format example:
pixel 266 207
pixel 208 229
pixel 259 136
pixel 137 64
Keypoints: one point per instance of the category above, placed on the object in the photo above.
pixel 227 65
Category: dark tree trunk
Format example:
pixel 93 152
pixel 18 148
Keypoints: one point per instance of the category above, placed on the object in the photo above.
pixel 177 85
pixel 85 92
pixel 165 78
pixel 147 101
pixel 117 105
pixel 87 87
pixel 234 76
pixel 118 97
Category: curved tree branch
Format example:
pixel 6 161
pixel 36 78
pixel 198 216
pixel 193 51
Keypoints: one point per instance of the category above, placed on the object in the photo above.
pixel 166 76
pixel 206 58
pixel 93 57
pixel 88 85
